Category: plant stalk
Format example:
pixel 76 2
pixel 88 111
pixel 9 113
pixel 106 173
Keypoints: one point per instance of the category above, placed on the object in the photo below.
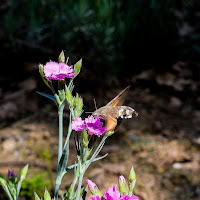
pixel 79 186
pixel 60 143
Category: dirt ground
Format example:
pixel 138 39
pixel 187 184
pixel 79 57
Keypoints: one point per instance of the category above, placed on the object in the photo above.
pixel 162 143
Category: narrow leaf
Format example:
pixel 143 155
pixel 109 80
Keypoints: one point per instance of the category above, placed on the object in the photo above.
pixel 47 96
pixel 63 160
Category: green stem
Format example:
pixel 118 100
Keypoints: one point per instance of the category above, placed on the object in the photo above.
pixel 8 193
pixel 95 154
pixel 73 184
pixel 79 186
pixel 18 188
pixel 60 144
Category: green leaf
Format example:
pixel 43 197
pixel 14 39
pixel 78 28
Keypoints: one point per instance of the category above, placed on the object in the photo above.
pixel 23 173
pixel 47 96
pixel 46 195
pixel 36 196
pixel 63 160
pixel 3 182
pixel 77 67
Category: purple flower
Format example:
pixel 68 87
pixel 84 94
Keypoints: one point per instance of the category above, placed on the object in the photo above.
pixel 11 174
pixel 78 124
pixel 58 71
pixel 126 197
pixel 92 124
pixel 112 193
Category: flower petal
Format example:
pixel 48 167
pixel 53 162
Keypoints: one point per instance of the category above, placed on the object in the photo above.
pixel 112 193
pixel 78 124
pixel 95 197
pixel 91 185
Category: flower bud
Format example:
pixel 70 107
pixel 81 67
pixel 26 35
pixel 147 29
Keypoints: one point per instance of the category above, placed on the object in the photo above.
pixel 61 95
pixel 68 94
pixel 122 185
pixel 77 67
pixel 23 173
pixel 93 188
pixel 79 107
pixel 71 103
pixel 132 175
pixel 11 174
pixel 61 58
pixel 85 138
pixel 57 99
pixel 76 100
pixel 132 180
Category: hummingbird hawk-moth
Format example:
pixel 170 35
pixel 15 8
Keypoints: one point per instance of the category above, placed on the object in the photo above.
pixel 114 111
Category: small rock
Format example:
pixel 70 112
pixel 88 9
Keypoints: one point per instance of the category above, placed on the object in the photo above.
pixel 175 102
pixel 177 165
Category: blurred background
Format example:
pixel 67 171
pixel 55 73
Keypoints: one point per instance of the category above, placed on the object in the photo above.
pixel 153 45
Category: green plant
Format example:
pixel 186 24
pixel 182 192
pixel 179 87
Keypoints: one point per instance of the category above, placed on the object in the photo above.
pixel 35 184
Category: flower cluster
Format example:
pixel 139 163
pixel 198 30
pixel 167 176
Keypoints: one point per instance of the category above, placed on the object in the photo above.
pixel 111 193
pixel 58 71
pixel 92 124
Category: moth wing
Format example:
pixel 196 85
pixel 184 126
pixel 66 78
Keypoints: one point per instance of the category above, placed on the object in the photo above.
pixel 119 99
pixel 110 123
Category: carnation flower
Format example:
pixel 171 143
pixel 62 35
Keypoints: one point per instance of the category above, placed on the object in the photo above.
pixel 126 197
pixel 58 71
pixel 96 197
pixel 78 124
pixel 112 193
pixel 92 124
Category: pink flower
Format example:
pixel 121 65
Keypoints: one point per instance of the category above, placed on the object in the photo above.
pixel 95 197
pixel 122 179
pixel 91 185
pixel 58 71
pixel 126 197
pixel 94 126
pixel 112 193
pixel 78 124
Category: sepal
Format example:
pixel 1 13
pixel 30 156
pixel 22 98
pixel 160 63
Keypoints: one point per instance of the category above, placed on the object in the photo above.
pixel 41 71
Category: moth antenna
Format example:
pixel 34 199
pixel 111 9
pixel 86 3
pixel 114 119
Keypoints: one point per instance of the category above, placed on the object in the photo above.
pixel 95 104
pixel 88 112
